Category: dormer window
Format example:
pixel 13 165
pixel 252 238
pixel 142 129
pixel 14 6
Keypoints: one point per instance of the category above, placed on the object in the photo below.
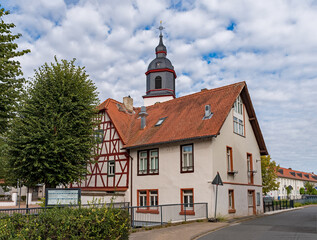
pixel 158 82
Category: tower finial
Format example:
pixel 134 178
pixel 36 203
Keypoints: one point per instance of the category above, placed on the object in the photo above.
pixel 161 28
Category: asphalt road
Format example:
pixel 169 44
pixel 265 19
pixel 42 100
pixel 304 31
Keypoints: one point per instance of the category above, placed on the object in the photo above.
pixel 299 224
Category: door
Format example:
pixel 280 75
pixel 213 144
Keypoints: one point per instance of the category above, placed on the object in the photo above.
pixel 251 202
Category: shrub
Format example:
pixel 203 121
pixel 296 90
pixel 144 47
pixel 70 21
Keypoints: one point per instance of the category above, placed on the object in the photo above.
pixel 67 223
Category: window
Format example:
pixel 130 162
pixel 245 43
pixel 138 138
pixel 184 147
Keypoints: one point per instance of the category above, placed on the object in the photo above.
pixel 153 161
pixel 111 168
pixel 229 159
pixel 250 168
pixel 98 135
pixel 187 158
pixel 187 201
pixel 158 82
pixel 238 105
pixel 148 162
pixel 258 199
pixel 148 201
pixel 160 121
pixel 231 201
pixel 238 117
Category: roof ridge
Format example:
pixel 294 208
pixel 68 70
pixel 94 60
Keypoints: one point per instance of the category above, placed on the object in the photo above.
pixel 172 101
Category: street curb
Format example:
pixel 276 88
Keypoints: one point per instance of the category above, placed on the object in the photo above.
pixel 232 222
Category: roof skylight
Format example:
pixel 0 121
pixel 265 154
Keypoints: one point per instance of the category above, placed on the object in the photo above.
pixel 160 121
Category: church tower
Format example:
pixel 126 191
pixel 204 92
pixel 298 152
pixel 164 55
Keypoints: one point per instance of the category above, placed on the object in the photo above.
pixel 160 77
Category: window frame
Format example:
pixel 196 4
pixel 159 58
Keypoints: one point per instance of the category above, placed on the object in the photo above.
pixel 239 117
pixel 109 174
pixel 149 208
pixel 187 211
pixel 148 171
pixel 181 158
pixel 229 166
pixel 250 173
pixel 158 81
pixel 99 135
pixel 231 209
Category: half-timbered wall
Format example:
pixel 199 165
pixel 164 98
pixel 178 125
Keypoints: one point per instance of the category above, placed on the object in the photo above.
pixel 108 152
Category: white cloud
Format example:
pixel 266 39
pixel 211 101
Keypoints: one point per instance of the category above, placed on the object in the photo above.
pixel 272 46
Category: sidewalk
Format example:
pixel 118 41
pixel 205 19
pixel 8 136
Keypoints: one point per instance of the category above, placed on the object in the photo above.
pixel 193 230
pixel 186 231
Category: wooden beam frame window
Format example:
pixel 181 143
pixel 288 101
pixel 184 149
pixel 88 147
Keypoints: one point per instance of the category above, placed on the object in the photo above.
pixel 187 158
pixel 147 201
pixel 231 201
pixel 250 169
pixel 229 158
pixel 148 162
pixel 187 201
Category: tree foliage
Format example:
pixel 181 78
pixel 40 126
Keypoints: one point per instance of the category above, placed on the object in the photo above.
pixel 10 70
pixel 269 174
pixel 51 140
pixel 310 188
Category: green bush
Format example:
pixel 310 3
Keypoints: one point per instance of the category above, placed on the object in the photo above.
pixel 67 223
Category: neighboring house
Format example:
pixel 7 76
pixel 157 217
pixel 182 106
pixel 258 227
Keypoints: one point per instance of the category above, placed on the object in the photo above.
pixel 296 179
pixel 169 151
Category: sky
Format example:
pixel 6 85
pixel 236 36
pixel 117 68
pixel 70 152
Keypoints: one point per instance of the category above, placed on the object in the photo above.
pixel 272 45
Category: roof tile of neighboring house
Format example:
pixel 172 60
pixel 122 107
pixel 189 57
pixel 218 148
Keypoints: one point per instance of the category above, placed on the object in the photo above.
pixel 293 174
pixel 183 117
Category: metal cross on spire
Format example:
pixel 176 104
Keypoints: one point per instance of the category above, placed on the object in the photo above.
pixel 161 28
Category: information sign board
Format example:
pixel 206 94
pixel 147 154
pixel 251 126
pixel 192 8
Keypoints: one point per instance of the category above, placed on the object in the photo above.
pixel 62 196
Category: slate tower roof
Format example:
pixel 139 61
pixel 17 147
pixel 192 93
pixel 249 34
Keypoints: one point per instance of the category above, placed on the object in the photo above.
pixel 160 76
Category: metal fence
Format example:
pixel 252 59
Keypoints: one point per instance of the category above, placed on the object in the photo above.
pixel 306 199
pixel 37 210
pixel 277 205
pixel 167 213
pixel 140 216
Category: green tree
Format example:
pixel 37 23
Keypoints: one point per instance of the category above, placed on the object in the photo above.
pixel 302 191
pixel 10 83
pixel 269 174
pixel 309 188
pixel 288 190
pixel 52 139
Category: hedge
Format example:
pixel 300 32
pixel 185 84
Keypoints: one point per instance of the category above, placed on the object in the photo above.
pixel 67 223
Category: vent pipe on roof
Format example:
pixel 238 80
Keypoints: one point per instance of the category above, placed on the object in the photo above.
pixel 143 115
pixel 208 113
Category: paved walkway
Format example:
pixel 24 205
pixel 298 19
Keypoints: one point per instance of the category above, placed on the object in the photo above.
pixel 184 231
pixel 192 230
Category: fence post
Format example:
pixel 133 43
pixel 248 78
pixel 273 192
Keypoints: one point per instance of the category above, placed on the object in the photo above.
pixel 132 217
pixel 264 206
pixel 161 215
pixel 185 211
pixel 206 210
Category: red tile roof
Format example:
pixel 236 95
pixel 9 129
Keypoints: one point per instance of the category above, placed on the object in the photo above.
pixel 293 174
pixel 183 117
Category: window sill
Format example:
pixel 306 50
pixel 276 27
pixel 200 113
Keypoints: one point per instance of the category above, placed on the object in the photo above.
pixel 231 211
pixel 188 212
pixel 189 171
pixel 152 211
pixel 239 134
pixel 146 174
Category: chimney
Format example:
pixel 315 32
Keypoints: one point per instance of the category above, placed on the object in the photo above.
pixel 143 115
pixel 203 89
pixel 128 103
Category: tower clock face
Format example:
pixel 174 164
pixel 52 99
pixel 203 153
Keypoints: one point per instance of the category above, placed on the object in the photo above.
pixel 158 64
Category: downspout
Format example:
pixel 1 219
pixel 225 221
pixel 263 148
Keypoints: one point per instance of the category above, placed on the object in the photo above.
pixel 128 152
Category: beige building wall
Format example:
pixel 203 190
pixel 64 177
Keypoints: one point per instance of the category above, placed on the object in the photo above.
pixel 209 157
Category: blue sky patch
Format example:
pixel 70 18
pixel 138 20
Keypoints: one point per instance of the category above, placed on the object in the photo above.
pixel 231 26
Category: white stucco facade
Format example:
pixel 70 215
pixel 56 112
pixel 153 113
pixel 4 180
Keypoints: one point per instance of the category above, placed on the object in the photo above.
pixel 209 158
